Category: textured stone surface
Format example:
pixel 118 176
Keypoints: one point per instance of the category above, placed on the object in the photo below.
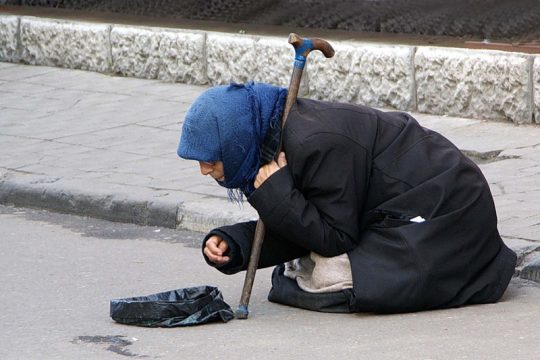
pixel 536 91
pixel 231 58
pixel 368 74
pixel 66 44
pixel 531 269
pixel 182 56
pixel 480 84
pixel 274 58
pixel 468 83
pixel 154 53
pixel 8 37
pixel 241 58
pixel 135 52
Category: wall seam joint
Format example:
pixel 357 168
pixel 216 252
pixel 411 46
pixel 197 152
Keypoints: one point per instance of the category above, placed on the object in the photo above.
pixel 18 47
pixel 414 91
pixel 109 49
pixel 530 100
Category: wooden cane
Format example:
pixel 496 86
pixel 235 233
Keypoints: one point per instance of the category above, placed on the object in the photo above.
pixel 302 49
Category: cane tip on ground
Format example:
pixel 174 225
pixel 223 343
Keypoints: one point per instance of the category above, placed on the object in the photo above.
pixel 241 313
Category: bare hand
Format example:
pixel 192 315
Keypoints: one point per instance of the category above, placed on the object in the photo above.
pixel 267 170
pixel 214 249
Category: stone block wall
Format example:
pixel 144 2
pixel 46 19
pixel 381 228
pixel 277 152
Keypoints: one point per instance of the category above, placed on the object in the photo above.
pixel 163 54
pixel 536 88
pixel 478 84
pixel 230 58
pixel 9 28
pixel 377 75
pixel 64 44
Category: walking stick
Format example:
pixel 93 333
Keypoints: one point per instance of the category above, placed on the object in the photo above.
pixel 302 49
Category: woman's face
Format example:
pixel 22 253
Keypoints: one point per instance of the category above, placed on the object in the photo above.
pixel 214 169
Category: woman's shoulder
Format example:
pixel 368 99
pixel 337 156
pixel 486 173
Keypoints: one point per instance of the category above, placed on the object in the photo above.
pixel 310 107
pixel 315 127
pixel 313 117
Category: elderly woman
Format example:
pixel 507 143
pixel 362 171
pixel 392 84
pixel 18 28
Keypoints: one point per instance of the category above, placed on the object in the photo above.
pixel 365 211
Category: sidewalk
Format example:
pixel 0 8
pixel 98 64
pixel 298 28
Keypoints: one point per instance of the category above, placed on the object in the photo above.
pixel 102 146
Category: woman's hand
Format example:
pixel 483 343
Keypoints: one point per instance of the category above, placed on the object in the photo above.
pixel 267 170
pixel 214 249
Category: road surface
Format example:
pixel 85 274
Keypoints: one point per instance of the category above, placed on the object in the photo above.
pixel 59 272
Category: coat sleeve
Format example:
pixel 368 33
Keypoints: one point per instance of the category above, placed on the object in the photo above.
pixel 316 202
pixel 239 237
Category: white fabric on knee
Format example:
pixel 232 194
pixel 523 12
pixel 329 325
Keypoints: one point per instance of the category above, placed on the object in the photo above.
pixel 317 274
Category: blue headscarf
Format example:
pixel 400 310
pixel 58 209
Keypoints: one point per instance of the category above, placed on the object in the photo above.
pixel 229 124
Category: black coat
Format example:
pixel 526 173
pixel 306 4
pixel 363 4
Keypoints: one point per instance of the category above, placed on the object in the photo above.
pixel 355 178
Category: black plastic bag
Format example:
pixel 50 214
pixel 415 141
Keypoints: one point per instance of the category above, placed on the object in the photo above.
pixel 181 307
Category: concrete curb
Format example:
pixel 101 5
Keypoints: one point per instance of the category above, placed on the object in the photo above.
pixel 481 84
pixel 528 263
pixel 69 199
pixel 119 206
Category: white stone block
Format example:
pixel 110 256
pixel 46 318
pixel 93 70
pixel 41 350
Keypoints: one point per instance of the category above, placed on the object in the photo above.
pixel 241 58
pixel 231 58
pixel 67 44
pixel 182 56
pixel 536 91
pixel 154 53
pixel 135 52
pixel 8 37
pixel 374 75
pixel 487 85
pixel 275 59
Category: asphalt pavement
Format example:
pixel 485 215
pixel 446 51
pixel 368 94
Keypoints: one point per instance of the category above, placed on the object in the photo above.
pixel 59 272
pixel 105 146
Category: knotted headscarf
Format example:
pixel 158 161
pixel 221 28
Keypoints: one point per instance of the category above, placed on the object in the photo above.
pixel 229 124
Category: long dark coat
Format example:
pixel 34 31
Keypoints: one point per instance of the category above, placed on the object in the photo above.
pixel 355 178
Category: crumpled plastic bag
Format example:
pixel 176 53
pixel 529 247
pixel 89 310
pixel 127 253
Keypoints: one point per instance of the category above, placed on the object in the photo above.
pixel 181 307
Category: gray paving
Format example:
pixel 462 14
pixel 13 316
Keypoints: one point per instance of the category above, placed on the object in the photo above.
pixel 55 305
pixel 105 146
pixel 59 274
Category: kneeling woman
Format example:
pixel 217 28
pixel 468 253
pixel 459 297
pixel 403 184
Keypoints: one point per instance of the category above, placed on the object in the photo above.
pixel 365 211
